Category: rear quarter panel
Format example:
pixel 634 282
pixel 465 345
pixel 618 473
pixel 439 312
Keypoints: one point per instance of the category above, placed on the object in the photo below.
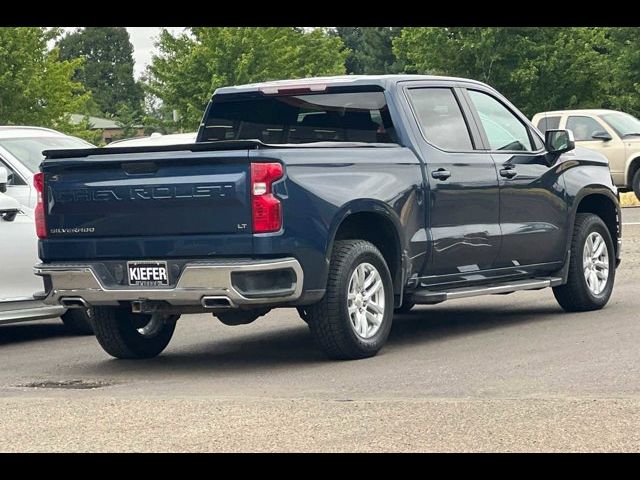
pixel 324 186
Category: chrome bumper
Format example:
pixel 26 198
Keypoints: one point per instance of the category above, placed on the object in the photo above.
pixel 197 282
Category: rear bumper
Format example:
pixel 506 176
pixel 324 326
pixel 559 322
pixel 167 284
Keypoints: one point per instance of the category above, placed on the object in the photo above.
pixel 205 284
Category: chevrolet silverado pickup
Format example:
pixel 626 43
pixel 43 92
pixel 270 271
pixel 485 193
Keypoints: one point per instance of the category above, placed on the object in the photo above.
pixel 349 198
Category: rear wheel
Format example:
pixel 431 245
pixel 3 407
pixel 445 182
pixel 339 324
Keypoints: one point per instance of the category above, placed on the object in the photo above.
pixel 123 334
pixel 354 317
pixel 78 321
pixel 592 266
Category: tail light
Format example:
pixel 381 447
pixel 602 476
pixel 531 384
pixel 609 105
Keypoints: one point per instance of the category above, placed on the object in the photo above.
pixel 266 209
pixel 41 226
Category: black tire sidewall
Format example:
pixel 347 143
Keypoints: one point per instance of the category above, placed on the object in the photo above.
pixel 595 224
pixel 372 256
pixel 635 184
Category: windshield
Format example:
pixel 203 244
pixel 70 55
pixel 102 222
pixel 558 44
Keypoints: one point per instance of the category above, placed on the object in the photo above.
pixel 328 117
pixel 28 150
pixel 623 123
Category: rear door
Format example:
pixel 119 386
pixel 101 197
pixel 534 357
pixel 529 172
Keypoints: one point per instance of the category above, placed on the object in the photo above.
pixel 19 247
pixel 533 208
pixel 463 213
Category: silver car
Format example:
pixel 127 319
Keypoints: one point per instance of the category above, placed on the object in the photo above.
pixel 20 156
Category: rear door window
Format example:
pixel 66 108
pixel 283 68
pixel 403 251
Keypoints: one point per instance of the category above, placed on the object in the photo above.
pixel 440 118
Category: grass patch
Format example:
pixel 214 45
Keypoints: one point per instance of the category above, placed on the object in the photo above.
pixel 629 199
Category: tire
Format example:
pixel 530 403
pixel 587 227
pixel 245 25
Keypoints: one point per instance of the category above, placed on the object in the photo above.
pixel 635 183
pixel 78 321
pixel 576 295
pixel 405 307
pixel 118 332
pixel 331 324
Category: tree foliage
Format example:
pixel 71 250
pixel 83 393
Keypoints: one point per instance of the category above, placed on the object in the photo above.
pixel 108 68
pixel 190 66
pixel 370 49
pixel 36 87
pixel 536 68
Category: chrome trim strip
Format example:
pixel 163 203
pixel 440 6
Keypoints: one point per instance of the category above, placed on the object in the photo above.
pixel 198 279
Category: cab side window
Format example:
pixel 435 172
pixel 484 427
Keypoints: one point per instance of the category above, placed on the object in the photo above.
pixel 583 127
pixel 504 130
pixel 548 123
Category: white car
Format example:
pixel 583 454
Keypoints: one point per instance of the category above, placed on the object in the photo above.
pixel 20 156
pixel 156 139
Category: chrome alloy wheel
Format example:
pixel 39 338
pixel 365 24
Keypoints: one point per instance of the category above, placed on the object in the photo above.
pixel 365 300
pixel 595 262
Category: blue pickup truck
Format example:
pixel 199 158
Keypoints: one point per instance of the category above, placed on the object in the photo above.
pixel 349 198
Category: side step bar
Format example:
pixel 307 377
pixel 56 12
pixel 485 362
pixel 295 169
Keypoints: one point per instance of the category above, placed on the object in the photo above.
pixel 434 296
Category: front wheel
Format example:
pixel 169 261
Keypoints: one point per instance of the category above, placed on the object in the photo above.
pixel 123 334
pixel 354 317
pixel 592 267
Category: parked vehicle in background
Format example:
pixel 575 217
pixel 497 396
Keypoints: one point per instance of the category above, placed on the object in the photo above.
pixel 20 156
pixel 344 197
pixel 614 134
pixel 155 139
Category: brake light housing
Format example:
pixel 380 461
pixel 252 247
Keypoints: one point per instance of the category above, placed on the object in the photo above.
pixel 266 209
pixel 41 225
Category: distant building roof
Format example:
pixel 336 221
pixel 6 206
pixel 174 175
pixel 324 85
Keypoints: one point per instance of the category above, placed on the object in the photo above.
pixel 98 123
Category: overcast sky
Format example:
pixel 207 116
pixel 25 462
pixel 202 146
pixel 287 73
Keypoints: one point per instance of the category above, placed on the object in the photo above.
pixel 142 39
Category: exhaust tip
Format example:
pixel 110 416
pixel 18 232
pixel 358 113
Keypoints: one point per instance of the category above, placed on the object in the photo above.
pixel 217 302
pixel 74 302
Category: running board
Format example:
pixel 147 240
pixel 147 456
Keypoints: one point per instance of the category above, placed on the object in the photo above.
pixel 433 296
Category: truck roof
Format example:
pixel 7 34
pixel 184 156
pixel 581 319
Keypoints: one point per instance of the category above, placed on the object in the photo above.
pixel 339 80
pixel 578 111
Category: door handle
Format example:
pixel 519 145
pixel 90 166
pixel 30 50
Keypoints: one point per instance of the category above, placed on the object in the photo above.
pixel 509 171
pixel 441 174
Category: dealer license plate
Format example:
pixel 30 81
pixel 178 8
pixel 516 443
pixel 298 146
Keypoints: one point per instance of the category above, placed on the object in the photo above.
pixel 148 274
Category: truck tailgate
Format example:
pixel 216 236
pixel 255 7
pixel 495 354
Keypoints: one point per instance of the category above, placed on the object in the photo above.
pixel 148 194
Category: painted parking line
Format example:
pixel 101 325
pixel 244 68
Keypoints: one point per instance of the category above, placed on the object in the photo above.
pixel 631 223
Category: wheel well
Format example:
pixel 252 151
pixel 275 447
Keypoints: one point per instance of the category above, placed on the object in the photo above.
pixel 380 231
pixel 602 206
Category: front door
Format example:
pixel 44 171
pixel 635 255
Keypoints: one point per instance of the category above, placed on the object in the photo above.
pixel 17 186
pixel 533 211
pixel 584 127
pixel 463 213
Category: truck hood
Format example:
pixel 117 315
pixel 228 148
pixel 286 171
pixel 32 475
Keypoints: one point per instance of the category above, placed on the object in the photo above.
pixel 583 153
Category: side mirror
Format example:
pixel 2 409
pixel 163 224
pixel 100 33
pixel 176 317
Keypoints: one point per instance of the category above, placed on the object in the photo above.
pixel 559 141
pixel 601 135
pixel 4 179
pixel 9 208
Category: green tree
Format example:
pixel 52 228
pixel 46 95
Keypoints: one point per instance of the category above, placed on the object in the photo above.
pixel 190 66
pixel 36 87
pixel 536 68
pixel 370 49
pixel 108 68
pixel 624 84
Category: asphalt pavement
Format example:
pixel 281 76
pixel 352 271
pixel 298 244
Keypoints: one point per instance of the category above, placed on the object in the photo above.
pixel 496 373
